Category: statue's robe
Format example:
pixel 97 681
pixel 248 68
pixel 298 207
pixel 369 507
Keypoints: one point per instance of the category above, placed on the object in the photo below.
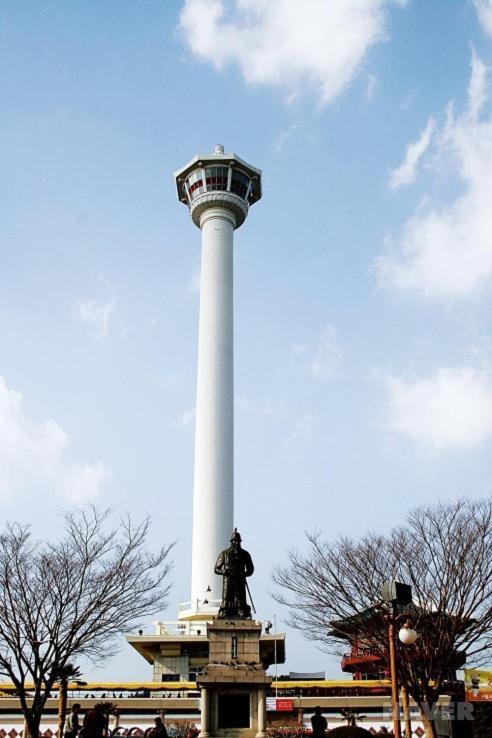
pixel 234 564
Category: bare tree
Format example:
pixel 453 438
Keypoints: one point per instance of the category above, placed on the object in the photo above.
pixel 72 598
pixel 444 552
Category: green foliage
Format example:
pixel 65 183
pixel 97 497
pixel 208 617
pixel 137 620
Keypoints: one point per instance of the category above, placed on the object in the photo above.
pixel 68 673
pixel 108 708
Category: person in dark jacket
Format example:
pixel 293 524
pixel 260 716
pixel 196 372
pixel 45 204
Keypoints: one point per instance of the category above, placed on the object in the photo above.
pixel 95 723
pixel 318 723
pixel 159 731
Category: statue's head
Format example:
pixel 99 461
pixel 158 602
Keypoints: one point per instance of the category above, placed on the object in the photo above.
pixel 236 538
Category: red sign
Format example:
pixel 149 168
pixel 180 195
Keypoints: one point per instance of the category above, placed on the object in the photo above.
pixel 284 705
pixel 481 695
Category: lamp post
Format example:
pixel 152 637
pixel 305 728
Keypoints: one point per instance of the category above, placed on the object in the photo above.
pixel 275 653
pixel 395 703
pixel 394 594
pixel 407 635
pixel 407 719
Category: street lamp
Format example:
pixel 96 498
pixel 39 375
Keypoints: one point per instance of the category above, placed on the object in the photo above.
pixel 407 634
pixel 394 594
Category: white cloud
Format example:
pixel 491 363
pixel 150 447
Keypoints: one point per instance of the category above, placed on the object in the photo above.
pixel 173 381
pixel 477 88
pixel 35 453
pixel 484 10
pixel 409 99
pixel 316 44
pixel 186 418
pixel 372 85
pixel 449 409
pixel 285 136
pixel 98 312
pixel 446 252
pixel 328 355
pixel 406 172
pixel 83 482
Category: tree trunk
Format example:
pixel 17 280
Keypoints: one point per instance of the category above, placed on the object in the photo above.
pixel 32 723
pixel 426 711
pixel 62 706
pixel 406 712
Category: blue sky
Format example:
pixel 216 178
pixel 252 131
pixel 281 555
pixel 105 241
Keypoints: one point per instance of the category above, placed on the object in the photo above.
pixel 363 278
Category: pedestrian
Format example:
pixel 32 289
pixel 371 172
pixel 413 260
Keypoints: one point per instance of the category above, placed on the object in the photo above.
pixel 318 723
pixel 95 723
pixel 72 724
pixel 159 731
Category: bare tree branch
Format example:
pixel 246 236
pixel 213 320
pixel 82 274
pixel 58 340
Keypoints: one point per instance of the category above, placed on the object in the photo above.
pixel 444 552
pixel 73 597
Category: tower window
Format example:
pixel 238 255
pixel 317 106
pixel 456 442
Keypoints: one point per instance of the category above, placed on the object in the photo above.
pixel 216 178
pixel 239 183
pixel 195 183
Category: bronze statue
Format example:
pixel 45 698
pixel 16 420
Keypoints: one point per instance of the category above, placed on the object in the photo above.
pixel 234 564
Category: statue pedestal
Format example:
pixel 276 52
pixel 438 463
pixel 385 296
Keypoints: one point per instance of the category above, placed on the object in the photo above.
pixel 234 683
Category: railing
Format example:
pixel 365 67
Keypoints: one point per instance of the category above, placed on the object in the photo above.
pixel 179 627
pixel 200 606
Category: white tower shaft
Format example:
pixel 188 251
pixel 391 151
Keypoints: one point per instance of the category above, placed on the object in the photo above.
pixel 218 189
pixel 213 490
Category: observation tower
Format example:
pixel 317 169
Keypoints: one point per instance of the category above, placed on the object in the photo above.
pixel 218 189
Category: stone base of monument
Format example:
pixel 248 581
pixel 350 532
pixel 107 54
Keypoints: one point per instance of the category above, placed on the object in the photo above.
pixel 234 683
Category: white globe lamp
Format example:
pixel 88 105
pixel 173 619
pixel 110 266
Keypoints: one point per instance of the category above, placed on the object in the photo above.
pixel 407 635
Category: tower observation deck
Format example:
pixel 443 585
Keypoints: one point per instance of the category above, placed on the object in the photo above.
pixel 218 189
